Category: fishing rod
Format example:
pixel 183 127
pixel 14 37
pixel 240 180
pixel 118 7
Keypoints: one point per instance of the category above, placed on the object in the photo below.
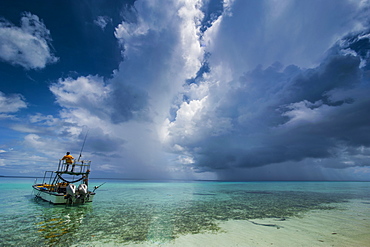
pixel 83 144
pixel 97 187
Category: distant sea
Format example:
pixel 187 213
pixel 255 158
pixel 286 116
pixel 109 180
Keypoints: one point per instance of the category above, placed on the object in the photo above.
pixel 157 213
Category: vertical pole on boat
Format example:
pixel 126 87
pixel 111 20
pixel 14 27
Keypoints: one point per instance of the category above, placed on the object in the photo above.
pixel 83 144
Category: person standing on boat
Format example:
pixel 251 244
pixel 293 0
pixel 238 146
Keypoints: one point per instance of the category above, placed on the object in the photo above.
pixel 69 160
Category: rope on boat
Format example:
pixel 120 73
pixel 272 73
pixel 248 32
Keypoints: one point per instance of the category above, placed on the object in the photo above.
pixel 69 181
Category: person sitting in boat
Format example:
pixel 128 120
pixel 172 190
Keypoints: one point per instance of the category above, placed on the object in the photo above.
pixel 69 160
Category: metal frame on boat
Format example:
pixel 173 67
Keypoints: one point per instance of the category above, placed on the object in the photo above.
pixel 66 187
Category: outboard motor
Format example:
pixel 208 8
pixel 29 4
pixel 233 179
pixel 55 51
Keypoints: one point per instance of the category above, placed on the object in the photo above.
pixel 71 189
pixel 82 192
pixel 82 189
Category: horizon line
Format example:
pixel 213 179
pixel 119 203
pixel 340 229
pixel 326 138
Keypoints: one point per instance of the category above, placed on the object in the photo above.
pixel 200 180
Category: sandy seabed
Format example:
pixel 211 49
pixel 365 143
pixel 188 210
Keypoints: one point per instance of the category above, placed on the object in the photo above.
pixel 347 226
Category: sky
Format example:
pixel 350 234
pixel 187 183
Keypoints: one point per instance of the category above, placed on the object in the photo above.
pixel 187 89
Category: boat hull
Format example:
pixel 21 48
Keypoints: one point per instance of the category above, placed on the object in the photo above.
pixel 60 198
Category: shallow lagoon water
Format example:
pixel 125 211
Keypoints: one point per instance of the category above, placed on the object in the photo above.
pixel 128 213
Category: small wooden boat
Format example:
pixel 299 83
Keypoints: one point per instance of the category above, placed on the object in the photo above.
pixel 66 187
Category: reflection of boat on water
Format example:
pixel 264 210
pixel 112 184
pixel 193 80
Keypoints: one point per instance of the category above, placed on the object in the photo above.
pixel 66 187
pixel 61 225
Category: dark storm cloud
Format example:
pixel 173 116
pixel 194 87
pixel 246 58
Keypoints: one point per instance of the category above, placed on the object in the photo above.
pixel 292 114
pixel 128 103
pixel 101 143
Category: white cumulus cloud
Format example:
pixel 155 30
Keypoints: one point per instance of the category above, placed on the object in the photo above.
pixel 11 103
pixel 27 45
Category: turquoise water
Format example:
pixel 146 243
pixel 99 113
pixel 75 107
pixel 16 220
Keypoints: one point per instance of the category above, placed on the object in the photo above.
pixel 134 212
